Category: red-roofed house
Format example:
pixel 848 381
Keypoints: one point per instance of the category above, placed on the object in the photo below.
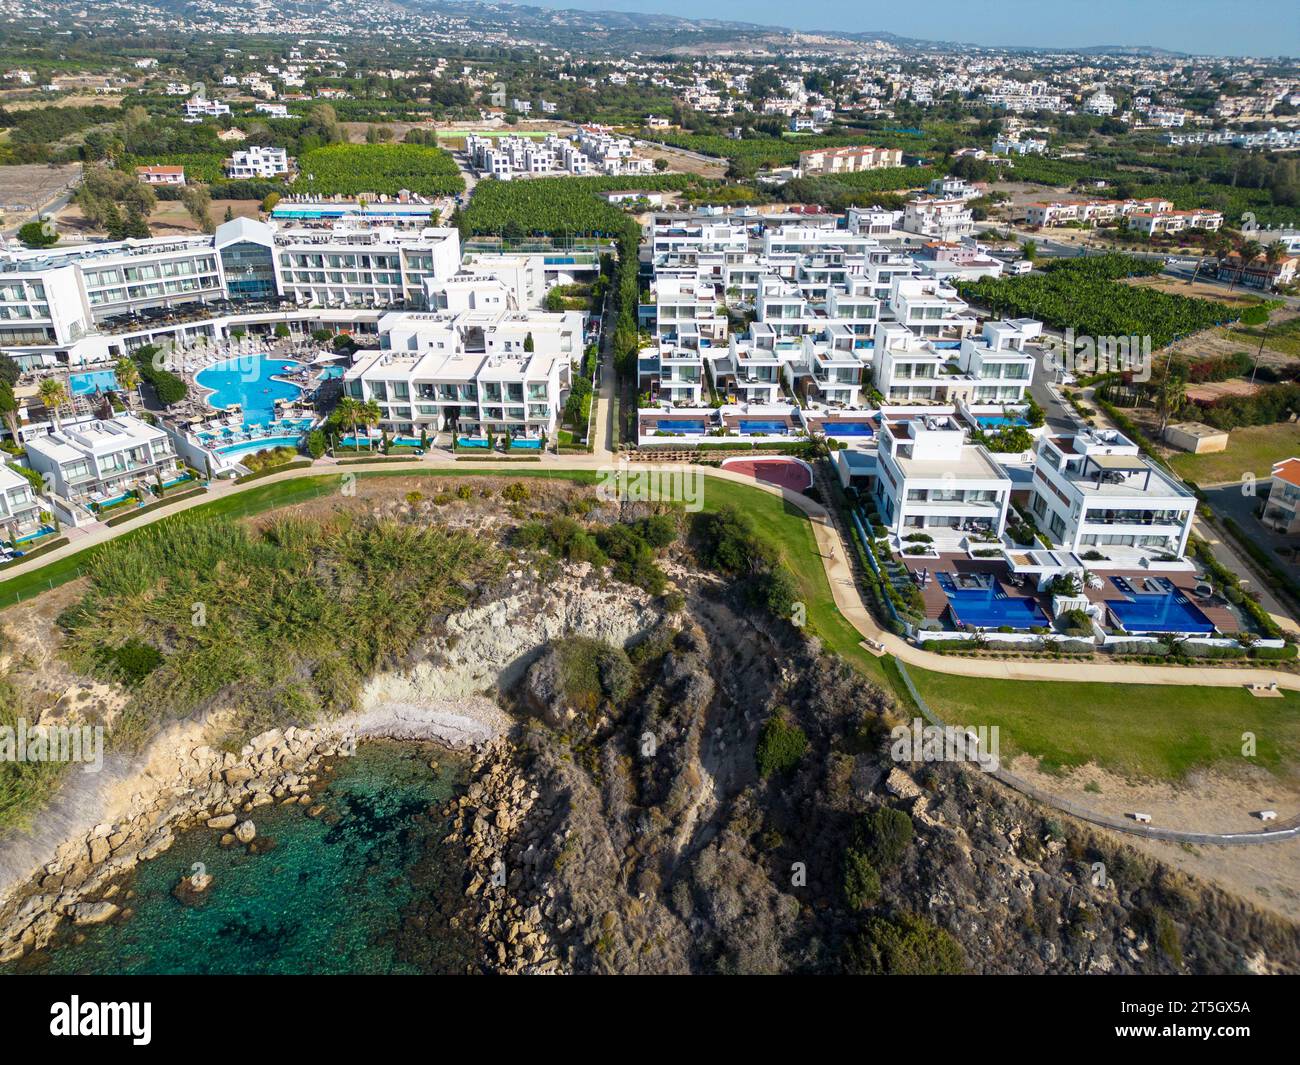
pixel 1284 498
pixel 161 175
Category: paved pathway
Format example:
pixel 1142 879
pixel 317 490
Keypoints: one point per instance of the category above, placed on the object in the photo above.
pixel 839 574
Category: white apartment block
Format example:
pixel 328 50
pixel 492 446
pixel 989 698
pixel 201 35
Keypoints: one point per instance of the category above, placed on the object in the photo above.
pixel 58 300
pixel 198 108
pixel 1016 146
pixel 672 375
pixel 474 369
pixel 1151 223
pixel 930 480
pixel 942 219
pixel 101 460
pixel 848 160
pixel 272 110
pixel 257 162
pixel 1095 491
pixel 20 508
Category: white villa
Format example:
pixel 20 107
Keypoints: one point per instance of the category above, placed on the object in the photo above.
pixel 1095 492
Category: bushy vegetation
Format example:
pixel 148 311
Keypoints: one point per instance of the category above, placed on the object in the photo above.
pixel 781 746
pixel 269 458
pixel 170 388
pixel 728 542
pixel 24 786
pixel 352 169
pixel 904 945
pixel 592 671
pixel 282 626
pixel 1084 294
pixel 629 549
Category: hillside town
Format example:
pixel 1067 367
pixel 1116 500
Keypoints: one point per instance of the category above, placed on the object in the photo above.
pixel 513 487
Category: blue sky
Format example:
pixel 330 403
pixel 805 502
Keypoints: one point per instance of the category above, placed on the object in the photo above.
pixel 1208 27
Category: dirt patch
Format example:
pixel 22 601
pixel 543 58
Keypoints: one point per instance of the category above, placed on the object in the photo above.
pixel 1212 390
pixel 28 188
pixel 1199 289
pixel 1267 874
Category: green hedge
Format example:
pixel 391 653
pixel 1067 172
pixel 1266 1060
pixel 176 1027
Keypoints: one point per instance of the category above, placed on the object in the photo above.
pixel 379 458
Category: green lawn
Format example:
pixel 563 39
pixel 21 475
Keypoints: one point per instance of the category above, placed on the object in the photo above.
pixel 1141 730
pixel 1251 449
pixel 1137 730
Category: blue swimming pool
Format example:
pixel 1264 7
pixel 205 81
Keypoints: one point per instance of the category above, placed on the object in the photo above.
pixel 360 441
pixel 749 425
pixel 1000 421
pixel 248 381
pixel 680 425
pixel 330 373
pixel 1167 611
pixel 990 608
pixel 849 429
pixel 470 441
pixel 262 444
pixel 518 443
pixel 83 384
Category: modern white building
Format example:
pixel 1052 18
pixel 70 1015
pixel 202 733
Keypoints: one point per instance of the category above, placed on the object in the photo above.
pixel 20 507
pixel 932 481
pixel 258 161
pixel 99 462
pixel 487 372
pixel 1094 491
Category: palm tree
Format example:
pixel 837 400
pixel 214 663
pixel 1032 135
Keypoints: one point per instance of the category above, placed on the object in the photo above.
pixel 1249 250
pixel 9 410
pixel 128 378
pixel 54 395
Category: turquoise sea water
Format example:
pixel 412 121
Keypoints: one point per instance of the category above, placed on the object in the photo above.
pixel 368 888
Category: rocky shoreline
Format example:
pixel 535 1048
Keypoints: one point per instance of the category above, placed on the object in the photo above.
pixel 71 871
pixel 82 884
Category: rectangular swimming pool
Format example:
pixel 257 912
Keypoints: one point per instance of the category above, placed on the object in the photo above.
pixel 1169 611
pixel 84 384
pixel 849 429
pixel 749 425
pixel 1000 421
pixel 990 608
pixel 680 425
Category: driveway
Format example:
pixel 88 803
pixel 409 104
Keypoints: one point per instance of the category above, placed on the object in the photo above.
pixel 1228 501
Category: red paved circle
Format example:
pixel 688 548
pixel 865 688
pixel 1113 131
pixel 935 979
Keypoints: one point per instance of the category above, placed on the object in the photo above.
pixel 784 473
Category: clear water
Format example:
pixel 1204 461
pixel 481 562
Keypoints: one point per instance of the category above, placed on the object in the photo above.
pixel 262 444
pixel 368 888
pixel 751 426
pixel 679 425
pixel 1159 612
pixel 849 429
pixel 988 608
pixel 248 381
pixel 525 444
pixel 999 421
pixel 84 384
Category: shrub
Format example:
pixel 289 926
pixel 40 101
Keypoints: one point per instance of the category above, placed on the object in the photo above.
pixel 861 881
pixel 781 746
pixel 884 836
pixel 906 945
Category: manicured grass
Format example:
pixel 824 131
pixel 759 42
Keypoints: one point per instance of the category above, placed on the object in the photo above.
pixel 1251 449
pixel 786 526
pixel 1137 730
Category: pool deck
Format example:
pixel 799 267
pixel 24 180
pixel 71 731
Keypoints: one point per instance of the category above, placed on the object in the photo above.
pixel 954 562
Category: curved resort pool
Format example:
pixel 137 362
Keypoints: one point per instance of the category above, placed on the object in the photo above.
pixel 249 381
pixel 248 447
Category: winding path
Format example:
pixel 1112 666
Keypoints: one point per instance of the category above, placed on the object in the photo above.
pixel 839 574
